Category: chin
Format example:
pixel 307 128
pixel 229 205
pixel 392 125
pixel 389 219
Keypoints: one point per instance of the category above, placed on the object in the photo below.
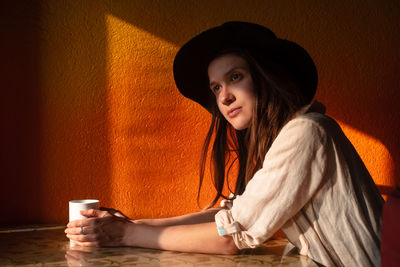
pixel 240 126
pixel 239 123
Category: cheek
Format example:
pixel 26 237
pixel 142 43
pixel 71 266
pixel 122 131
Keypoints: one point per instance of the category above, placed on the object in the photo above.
pixel 219 102
pixel 250 88
pixel 251 93
pixel 219 105
pixel 248 91
pixel 250 98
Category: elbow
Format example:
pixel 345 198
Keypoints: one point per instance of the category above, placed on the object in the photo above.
pixel 229 246
pixel 232 251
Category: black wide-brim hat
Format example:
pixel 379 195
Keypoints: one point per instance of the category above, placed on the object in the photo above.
pixel 192 60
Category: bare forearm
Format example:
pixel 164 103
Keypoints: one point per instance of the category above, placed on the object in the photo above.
pixel 201 238
pixel 192 218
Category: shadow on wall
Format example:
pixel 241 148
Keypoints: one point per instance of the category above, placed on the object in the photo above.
pixel 54 145
pixel 20 113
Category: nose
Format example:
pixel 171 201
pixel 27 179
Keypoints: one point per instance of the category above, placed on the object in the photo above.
pixel 227 97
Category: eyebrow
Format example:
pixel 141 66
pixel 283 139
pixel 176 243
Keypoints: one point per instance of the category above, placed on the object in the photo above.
pixel 228 72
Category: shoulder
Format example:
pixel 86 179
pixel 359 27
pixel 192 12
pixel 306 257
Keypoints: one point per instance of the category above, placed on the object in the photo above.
pixel 304 133
pixel 303 141
pixel 312 125
pixel 314 118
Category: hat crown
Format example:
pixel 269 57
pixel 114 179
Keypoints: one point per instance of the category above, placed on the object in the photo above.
pixel 243 34
pixel 249 28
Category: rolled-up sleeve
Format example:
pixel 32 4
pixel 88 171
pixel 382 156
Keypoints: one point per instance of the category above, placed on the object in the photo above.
pixel 292 172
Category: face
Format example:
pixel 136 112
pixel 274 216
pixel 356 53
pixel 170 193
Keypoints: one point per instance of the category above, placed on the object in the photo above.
pixel 231 82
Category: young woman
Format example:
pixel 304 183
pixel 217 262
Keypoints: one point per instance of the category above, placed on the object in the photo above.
pixel 296 169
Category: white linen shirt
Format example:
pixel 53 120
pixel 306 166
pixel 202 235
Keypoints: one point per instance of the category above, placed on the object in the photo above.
pixel 314 186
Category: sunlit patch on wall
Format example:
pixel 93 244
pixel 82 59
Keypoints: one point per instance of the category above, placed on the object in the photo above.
pixel 152 141
pixel 375 155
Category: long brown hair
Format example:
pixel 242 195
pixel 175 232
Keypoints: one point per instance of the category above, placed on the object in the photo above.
pixel 277 99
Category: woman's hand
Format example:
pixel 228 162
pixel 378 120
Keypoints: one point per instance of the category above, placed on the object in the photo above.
pixel 100 229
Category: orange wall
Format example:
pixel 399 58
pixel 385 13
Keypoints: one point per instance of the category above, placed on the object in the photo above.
pixel 90 110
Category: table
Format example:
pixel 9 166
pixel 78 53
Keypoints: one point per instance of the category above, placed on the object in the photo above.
pixel 48 246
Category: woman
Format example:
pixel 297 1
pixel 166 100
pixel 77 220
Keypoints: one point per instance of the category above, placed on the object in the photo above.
pixel 296 169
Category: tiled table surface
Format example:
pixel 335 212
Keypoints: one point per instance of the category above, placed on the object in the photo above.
pixel 49 247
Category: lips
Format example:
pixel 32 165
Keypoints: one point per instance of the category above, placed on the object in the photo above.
pixel 234 112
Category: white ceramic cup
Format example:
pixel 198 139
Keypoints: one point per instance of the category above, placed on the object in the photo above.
pixel 75 207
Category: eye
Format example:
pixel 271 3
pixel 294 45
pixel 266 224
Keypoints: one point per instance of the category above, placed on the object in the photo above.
pixel 235 76
pixel 216 88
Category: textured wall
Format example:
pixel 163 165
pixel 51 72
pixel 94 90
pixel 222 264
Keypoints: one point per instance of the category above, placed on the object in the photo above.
pixel 90 110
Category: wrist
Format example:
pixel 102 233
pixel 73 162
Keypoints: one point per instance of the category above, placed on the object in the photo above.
pixel 129 233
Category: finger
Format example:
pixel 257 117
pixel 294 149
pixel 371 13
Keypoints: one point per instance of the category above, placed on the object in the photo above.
pixel 79 223
pixel 70 231
pixel 114 212
pixel 78 231
pixel 83 238
pixel 106 209
pixel 119 214
pixel 95 213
